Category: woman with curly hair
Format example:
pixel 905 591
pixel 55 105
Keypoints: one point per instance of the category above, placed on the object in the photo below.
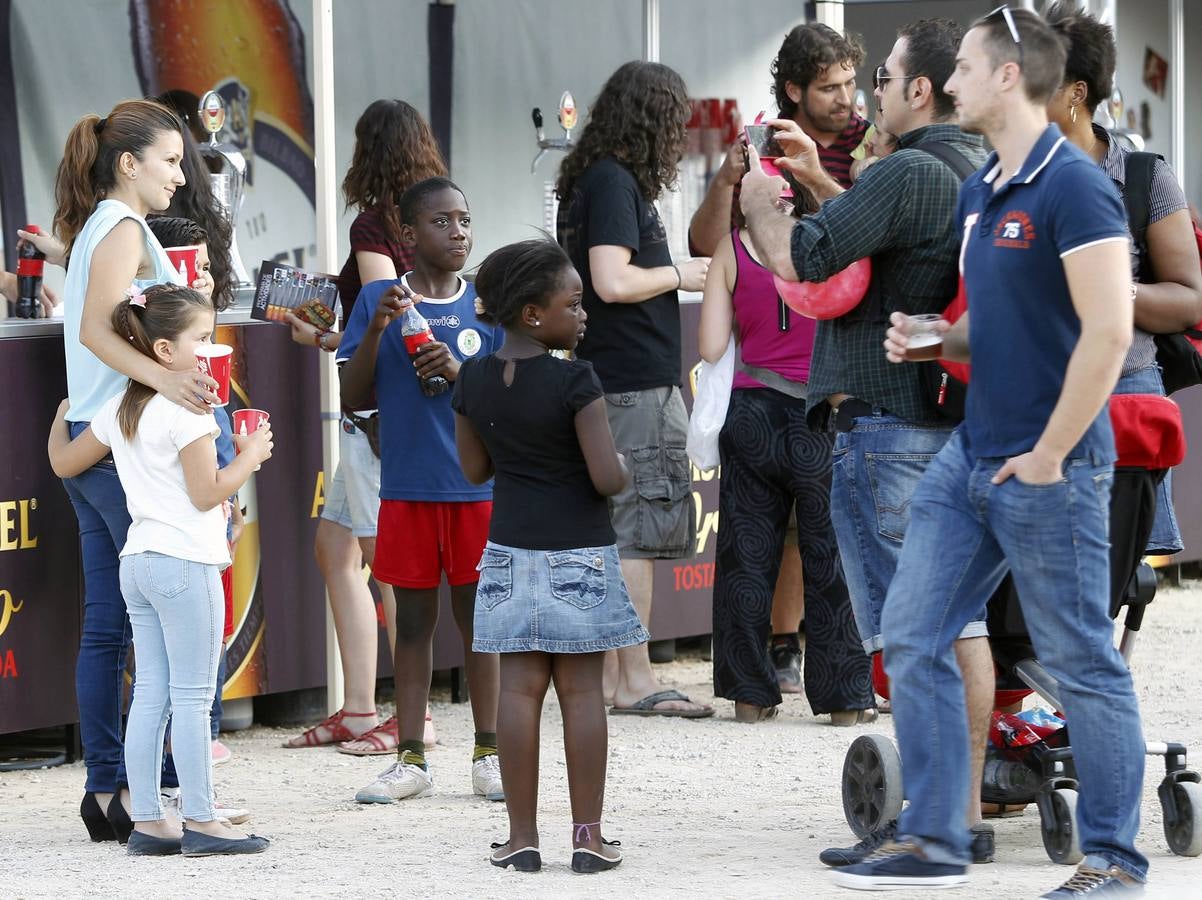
pixel 627 154
pixel 394 150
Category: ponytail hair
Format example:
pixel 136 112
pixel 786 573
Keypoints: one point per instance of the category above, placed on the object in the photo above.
pixel 164 312
pixel 518 274
pixel 88 170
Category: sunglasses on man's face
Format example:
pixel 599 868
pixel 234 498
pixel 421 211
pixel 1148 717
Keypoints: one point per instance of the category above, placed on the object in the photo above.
pixel 880 75
pixel 1008 18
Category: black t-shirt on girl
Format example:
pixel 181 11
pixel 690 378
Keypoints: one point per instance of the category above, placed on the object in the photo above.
pixel 543 498
pixel 634 346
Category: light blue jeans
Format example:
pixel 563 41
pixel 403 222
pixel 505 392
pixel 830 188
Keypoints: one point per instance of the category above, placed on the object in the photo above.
pixel 965 532
pixel 177 609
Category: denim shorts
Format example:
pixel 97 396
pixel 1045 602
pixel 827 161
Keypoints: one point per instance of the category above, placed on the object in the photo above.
pixel 553 601
pixel 353 494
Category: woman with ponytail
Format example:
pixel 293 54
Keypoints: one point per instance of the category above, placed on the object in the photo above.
pixel 170 563
pixel 114 172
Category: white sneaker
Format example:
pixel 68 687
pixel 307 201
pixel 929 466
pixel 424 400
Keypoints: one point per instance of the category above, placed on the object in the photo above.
pixel 486 777
pixel 230 815
pixel 399 781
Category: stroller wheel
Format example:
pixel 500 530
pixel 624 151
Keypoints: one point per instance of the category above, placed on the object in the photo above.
pixel 1058 822
pixel 1183 828
pixel 872 784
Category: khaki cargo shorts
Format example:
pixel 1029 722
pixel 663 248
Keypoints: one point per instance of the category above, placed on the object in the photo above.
pixel 653 516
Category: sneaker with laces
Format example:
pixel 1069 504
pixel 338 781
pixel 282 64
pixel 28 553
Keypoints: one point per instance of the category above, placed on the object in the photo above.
pixel 1090 882
pixel 230 815
pixel 486 778
pixel 837 857
pixel 400 781
pixel 899 866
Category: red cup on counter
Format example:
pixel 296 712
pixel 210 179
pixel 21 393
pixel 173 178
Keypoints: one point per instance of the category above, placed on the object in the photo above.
pixel 184 261
pixel 215 360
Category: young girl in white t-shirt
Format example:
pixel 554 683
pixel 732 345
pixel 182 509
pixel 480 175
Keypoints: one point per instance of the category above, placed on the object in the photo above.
pixel 170 565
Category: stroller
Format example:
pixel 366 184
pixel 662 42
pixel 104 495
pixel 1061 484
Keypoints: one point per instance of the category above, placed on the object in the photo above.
pixel 1150 440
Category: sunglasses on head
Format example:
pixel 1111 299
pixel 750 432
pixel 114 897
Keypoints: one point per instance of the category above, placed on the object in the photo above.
pixel 1008 18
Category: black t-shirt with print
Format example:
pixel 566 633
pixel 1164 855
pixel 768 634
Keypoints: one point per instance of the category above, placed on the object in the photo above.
pixel 543 498
pixel 633 346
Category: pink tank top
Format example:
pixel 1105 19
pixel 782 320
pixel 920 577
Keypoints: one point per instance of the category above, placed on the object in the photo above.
pixel 757 312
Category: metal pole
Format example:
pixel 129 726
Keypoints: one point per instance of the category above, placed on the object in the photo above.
pixel 1177 64
pixel 327 261
pixel 651 30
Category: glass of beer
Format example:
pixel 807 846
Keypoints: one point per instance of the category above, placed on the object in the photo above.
pixel 925 341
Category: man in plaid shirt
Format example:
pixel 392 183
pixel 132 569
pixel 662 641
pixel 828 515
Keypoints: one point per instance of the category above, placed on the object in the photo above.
pixel 900 213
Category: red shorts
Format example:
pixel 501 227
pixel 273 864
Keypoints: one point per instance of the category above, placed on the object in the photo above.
pixel 418 540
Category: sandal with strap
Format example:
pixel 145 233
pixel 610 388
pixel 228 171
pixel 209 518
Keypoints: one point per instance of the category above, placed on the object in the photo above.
pixel 382 739
pixel 337 733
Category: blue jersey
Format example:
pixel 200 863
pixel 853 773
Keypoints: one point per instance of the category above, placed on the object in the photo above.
pixel 1022 324
pixel 418 459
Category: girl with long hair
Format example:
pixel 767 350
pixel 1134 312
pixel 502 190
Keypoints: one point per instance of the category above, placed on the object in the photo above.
pixel 115 170
pixel 171 561
pixel 394 150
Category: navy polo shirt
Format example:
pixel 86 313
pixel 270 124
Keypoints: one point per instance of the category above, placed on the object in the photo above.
pixel 1023 327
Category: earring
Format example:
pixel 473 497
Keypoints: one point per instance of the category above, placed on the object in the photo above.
pixel 1073 113
pixel 537 323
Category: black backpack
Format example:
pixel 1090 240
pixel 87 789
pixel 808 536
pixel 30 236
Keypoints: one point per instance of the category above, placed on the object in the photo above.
pixel 1178 355
pixel 947 393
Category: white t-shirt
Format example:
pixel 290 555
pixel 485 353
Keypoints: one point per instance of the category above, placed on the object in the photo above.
pixel 163 517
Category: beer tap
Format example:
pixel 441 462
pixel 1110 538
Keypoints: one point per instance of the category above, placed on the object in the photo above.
pixel 567 121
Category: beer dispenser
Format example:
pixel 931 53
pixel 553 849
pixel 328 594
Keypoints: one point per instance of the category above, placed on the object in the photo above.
pixel 230 178
pixel 567 121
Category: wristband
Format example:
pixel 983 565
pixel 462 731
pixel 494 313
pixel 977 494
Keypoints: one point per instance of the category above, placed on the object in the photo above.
pixel 679 280
pixel 321 341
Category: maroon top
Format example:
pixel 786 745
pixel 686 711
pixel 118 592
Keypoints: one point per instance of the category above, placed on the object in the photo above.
pixel 369 233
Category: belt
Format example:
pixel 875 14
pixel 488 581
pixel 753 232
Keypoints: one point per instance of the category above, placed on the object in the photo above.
pixel 851 409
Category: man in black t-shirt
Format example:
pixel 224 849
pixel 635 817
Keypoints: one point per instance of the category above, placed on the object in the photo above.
pixel 610 228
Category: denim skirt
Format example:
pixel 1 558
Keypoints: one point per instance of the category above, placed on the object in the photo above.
pixel 553 601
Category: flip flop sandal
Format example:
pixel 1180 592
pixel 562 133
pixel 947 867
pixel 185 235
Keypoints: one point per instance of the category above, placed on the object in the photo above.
pixel 380 740
pixel 336 731
pixel 646 707
pixel 429 735
pixel 1002 810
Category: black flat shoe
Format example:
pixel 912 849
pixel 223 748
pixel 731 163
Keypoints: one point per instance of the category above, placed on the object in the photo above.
pixel 588 862
pixel 196 843
pixel 528 859
pixel 119 819
pixel 148 845
pixel 98 826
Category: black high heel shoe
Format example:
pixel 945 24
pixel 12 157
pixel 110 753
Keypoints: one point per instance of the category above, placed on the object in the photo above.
pixel 118 819
pixel 528 859
pixel 94 819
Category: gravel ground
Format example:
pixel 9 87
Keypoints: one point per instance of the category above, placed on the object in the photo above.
pixel 703 808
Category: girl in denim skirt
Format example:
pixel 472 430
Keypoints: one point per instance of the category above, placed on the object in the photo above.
pixel 171 565
pixel 551 599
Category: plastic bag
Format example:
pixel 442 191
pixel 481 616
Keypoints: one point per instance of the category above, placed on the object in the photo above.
pixel 714 383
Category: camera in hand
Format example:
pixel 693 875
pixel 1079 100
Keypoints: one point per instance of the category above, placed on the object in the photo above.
pixel 762 137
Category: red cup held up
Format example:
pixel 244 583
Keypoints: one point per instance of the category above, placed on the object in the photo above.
pixel 215 361
pixel 184 261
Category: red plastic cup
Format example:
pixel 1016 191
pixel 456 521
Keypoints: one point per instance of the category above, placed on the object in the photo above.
pixel 184 261
pixel 248 421
pixel 215 360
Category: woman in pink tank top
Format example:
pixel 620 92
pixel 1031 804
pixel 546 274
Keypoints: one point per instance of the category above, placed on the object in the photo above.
pixel 772 466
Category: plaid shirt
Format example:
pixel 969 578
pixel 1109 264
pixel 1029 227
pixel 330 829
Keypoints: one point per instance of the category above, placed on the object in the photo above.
pixel 899 213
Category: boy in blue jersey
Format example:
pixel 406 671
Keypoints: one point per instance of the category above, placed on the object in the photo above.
pixel 1024 483
pixel 432 520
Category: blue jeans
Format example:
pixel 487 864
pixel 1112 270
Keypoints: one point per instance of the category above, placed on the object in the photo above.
pixel 965 532
pixel 177 609
pixel 877 466
pixel 99 502
pixel 1166 535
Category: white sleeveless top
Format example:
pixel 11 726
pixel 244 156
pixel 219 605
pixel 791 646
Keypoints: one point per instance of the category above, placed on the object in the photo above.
pixel 90 383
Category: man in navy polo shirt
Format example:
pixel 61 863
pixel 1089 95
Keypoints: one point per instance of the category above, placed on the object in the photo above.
pixel 1024 484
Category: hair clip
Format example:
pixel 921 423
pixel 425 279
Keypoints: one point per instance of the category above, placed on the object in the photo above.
pixel 100 123
pixel 135 296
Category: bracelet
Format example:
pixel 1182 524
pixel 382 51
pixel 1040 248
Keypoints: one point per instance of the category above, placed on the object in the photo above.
pixel 679 280
pixel 321 341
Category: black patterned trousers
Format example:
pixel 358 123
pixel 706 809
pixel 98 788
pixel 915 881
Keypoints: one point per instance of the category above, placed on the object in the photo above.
pixel 772 463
